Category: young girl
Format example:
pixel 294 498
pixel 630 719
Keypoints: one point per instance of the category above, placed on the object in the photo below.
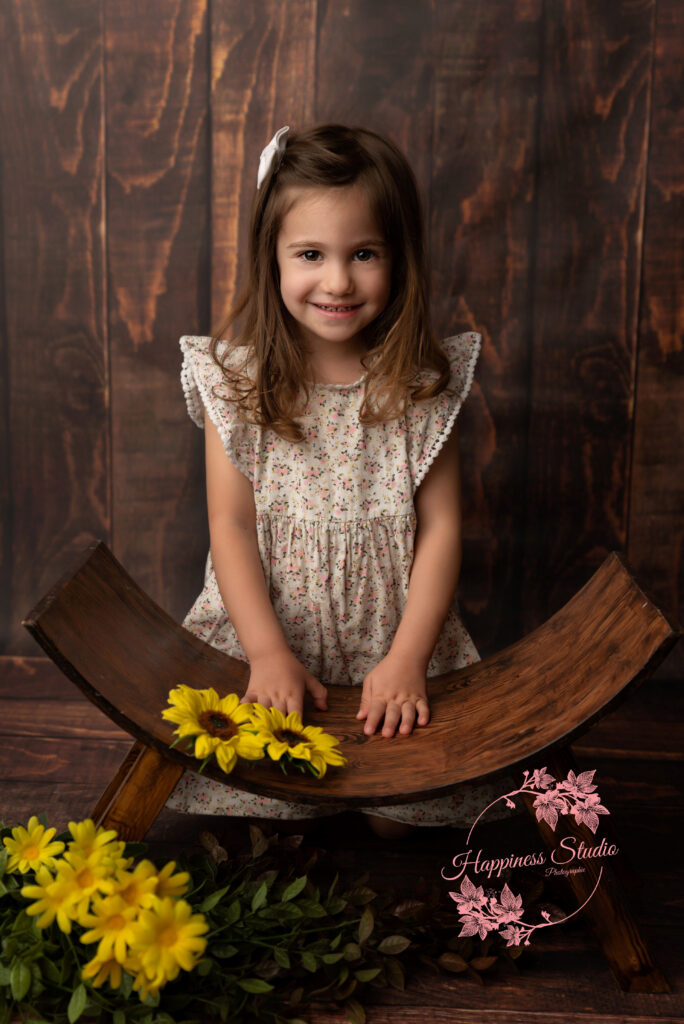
pixel 333 484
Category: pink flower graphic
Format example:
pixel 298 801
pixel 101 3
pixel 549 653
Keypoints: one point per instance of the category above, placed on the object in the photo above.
pixel 470 898
pixel 474 926
pixel 480 914
pixel 510 908
pixel 588 813
pixel 548 806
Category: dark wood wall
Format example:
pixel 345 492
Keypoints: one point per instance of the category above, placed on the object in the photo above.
pixel 544 135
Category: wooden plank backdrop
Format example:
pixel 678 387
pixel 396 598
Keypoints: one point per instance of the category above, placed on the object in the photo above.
pixel 545 137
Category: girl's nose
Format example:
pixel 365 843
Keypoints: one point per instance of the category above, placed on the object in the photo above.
pixel 338 280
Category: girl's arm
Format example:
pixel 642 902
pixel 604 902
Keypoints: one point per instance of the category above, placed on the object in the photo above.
pixel 396 687
pixel 276 678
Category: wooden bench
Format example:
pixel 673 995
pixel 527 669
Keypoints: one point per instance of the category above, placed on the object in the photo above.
pixel 520 708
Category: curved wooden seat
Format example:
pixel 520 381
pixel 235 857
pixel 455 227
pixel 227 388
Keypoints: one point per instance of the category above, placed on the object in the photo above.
pixel 526 702
pixel 126 653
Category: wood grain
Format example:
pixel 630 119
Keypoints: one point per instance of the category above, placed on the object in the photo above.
pixel 656 512
pixel 263 65
pixel 482 224
pixel 595 97
pixel 55 378
pixel 158 239
pixel 538 694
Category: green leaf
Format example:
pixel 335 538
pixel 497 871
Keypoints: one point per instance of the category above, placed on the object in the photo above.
pixel 212 899
pixel 233 913
pixel 77 1004
pixel 331 958
pixel 395 973
pixel 259 841
pixel 452 962
pixel 312 909
pixel 309 962
pixel 352 951
pixel 20 980
pixel 335 904
pixel 43 819
pixel 223 951
pixel 3 859
pixel 126 986
pixel 119 1017
pixel 50 971
pixel 367 974
pixel 481 963
pixel 394 944
pixel 294 889
pixel 4 975
pixel 366 925
pixel 359 895
pixel 280 956
pixel 355 1012
pixel 259 897
pixel 254 985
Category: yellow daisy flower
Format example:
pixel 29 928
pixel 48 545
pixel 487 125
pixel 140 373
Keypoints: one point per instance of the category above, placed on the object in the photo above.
pixel 84 877
pixel 169 937
pixel 287 735
pixel 103 970
pixel 144 986
pixel 87 839
pixel 138 887
pixel 169 884
pixel 30 847
pixel 112 923
pixel 54 899
pixel 217 723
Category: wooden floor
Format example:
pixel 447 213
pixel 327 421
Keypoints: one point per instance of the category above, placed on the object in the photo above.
pixel 57 752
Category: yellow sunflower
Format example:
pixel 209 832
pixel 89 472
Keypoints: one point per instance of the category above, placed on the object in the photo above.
pixel 220 725
pixel 29 848
pixel 112 923
pixel 169 937
pixel 55 898
pixel 286 735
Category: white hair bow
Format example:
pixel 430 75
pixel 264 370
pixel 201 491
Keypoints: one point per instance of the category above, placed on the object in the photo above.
pixel 273 152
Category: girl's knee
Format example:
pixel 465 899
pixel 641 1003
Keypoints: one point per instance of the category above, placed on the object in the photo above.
pixel 388 828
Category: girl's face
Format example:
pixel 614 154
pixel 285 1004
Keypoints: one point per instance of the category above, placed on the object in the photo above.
pixel 335 268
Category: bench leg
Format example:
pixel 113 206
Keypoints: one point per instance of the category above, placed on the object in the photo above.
pixel 137 793
pixel 607 910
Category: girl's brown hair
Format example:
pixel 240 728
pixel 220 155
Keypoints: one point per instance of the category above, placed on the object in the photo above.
pixel 400 342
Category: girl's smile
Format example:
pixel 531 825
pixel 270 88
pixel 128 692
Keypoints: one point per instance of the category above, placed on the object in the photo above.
pixel 335 269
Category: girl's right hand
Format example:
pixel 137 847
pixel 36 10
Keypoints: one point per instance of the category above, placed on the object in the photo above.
pixel 280 680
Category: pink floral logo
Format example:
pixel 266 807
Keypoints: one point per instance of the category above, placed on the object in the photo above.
pixel 481 912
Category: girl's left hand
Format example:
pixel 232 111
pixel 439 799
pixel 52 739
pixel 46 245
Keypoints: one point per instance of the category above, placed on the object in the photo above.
pixel 396 690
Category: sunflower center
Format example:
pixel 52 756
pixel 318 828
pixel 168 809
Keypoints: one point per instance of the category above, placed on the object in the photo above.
pixel 289 737
pixel 31 852
pixel 217 724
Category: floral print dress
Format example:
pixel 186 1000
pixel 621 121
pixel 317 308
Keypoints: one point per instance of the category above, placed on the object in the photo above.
pixel 336 527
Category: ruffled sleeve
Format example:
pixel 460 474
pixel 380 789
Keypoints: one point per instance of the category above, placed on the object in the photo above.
pixel 203 384
pixel 429 423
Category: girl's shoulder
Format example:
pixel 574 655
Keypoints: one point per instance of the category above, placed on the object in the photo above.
pixel 197 348
pixel 462 351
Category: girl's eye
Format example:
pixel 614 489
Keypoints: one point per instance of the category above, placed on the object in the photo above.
pixel 364 255
pixel 310 255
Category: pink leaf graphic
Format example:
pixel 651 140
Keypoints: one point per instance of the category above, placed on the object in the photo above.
pixel 510 908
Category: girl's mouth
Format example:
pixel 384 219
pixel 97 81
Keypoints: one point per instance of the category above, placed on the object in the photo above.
pixel 336 311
